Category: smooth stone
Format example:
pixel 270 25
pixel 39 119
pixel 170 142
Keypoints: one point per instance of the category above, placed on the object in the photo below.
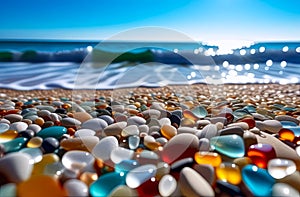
pixel 292 180
pixel 82 116
pixel 183 129
pixel 130 130
pixel 284 190
pixel 15 144
pixel 258 116
pixel 123 190
pixel 175 119
pixel 13 118
pixel 136 120
pixel 257 180
pixel 27 133
pixel 164 121
pixel 126 165
pixel 282 150
pixel 47 159
pixel 144 128
pixel 107 119
pixel 4 127
pixel 185 122
pixel 204 144
pixel 18 126
pixel 55 169
pixel 167 185
pixel 215 120
pixel 119 117
pixel 232 130
pixel 85 143
pixel 180 164
pixel 70 122
pixel 43 113
pixel 115 128
pixel 153 122
pixel 8 190
pixel 229 172
pixel 95 124
pixel 55 117
pixel 151 113
pixel 4 121
pixel 162 169
pixel 209 131
pixel 203 122
pixel 249 139
pixel 229 145
pixel 76 187
pixel 272 126
pixel 287 124
pixel 34 127
pixel 168 131
pixel 199 111
pixel 161 140
pixel 228 189
pixel 147 157
pixel 179 147
pixel 104 147
pixel 243 125
pixel 139 175
pixel 133 141
pixel 249 121
pixel 287 118
pixel 49 144
pixel 189 182
pixel 35 142
pixel 35 153
pixel 45 107
pixel 76 160
pixel 41 185
pixel 280 168
pixel 206 171
pixel 211 158
pixel 119 154
pixel 16 167
pixel 84 133
pixel 55 131
pixel 8 136
pixel 260 154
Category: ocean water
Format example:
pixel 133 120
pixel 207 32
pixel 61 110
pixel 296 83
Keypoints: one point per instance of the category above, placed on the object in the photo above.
pixel 109 65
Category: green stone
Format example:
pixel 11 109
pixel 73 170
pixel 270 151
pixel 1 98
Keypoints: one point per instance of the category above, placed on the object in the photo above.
pixel 107 183
pixel 15 144
pixel 229 145
pixel 55 131
pixel 200 111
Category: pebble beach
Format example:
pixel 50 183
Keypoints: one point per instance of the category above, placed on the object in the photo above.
pixel 197 140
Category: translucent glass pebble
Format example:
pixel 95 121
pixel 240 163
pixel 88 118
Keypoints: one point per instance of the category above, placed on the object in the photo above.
pixel 286 134
pixel 284 190
pixel 8 190
pixel 3 127
pixel 119 154
pixel 210 158
pixel 47 159
pixel 260 154
pixel 76 187
pixel 139 175
pixel 55 131
pixel 257 180
pixel 35 142
pixel 167 185
pixel 280 168
pixel 229 145
pixel 76 160
pixel 15 144
pixel 106 184
pixel 133 141
pixel 199 111
pixel 168 131
pixel 104 147
pixel 229 172
pixel 126 165
pixel 35 154
pixel 8 135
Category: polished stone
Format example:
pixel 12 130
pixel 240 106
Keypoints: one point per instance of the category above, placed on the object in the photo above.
pixel 260 154
pixel 139 175
pixel 280 168
pixel 77 160
pixel 229 172
pixel 55 131
pixel 210 158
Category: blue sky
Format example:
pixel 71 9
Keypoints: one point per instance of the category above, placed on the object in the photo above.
pixel 203 20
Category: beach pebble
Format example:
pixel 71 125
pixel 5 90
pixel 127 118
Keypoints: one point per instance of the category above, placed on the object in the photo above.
pixel 206 171
pixel 229 172
pixel 209 131
pixel 180 146
pixel 151 113
pixel 76 187
pixel 260 154
pixel 55 131
pixel 13 118
pixel 284 190
pixel 130 130
pixel 84 132
pixel 95 124
pixel 76 160
pixel 190 181
pixel 123 190
pixel 133 141
pixel 8 190
pixel 287 118
pixel 34 127
pixel 164 121
pixel 16 167
pixel 104 147
pixel 272 126
pixel 183 129
pixel 70 122
pixel 167 185
pixel 4 127
pixel 82 116
pixel 35 142
pixel 119 154
pixel 139 175
pixel 18 126
pixel 84 143
pixel 168 131
pixel 209 158
pixel 231 130
pixel 136 120
pixel 35 153
pixel 115 128
pixel 204 144
pixel 49 144
pixel 293 180
pixel 243 125
pixel 280 168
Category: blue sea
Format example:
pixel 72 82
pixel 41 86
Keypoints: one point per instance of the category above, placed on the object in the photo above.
pixel 28 65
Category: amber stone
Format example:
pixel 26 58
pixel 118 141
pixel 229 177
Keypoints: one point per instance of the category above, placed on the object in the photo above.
pixel 210 158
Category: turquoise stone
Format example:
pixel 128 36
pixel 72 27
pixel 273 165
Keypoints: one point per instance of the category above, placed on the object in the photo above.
pixel 106 184
pixel 15 144
pixel 289 109
pixel 258 180
pixel 199 111
pixel 240 113
pixel 55 131
pixel 229 145
pixel 250 108
pixel 126 165
pixel 287 124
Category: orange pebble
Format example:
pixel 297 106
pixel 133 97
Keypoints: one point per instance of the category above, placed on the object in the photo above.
pixel 286 134
pixel 71 131
pixel 39 121
pixel 210 158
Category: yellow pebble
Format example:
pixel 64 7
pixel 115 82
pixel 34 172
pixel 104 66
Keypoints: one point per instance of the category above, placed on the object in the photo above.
pixel 210 158
pixel 41 185
pixel 8 135
pixel 39 121
pixel 168 131
pixel 229 172
pixel 39 167
pixel 35 142
pixel 153 145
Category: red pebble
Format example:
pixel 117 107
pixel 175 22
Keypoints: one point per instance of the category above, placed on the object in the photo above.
pixel 260 154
